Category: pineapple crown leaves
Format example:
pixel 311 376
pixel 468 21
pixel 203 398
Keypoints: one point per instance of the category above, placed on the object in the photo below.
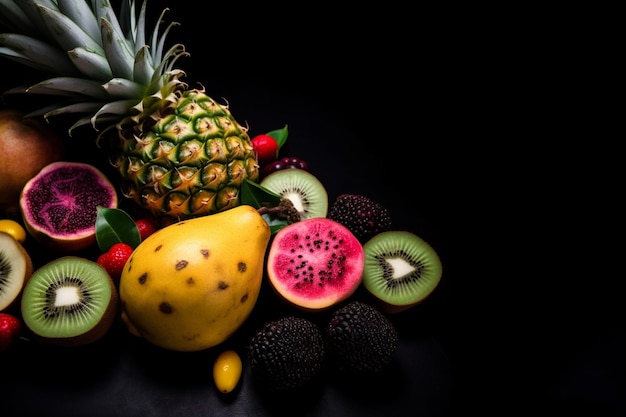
pixel 103 66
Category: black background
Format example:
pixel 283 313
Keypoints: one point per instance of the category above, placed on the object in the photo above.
pixel 473 135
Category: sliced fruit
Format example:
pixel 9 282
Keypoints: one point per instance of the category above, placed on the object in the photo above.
pixel 70 301
pixel 315 263
pixel 16 268
pixel 401 270
pixel 302 188
pixel 59 205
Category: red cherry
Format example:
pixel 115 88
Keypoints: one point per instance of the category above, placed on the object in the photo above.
pixel 146 228
pixel 10 328
pixel 302 165
pixel 285 162
pixel 294 162
pixel 271 167
pixel 290 160
pixel 266 148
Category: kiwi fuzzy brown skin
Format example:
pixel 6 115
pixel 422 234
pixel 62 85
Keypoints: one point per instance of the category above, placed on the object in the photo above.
pixel 97 332
pixel 9 245
pixel 423 270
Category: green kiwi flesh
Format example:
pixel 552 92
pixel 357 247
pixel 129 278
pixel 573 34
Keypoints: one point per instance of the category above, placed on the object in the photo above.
pixel 69 301
pixel 302 188
pixel 401 270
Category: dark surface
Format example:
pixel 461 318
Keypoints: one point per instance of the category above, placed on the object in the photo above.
pixel 525 318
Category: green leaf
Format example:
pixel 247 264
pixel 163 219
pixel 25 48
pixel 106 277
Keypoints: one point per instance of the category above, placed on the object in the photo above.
pixel 275 223
pixel 256 195
pixel 114 225
pixel 280 135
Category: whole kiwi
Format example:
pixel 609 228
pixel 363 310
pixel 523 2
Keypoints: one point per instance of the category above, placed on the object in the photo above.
pixel 401 270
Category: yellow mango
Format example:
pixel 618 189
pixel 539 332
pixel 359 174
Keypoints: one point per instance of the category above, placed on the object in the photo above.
pixel 191 285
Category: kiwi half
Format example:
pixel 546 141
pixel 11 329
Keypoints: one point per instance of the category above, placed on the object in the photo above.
pixel 401 270
pixel 302 188
pixel 16 268
pixel 70 301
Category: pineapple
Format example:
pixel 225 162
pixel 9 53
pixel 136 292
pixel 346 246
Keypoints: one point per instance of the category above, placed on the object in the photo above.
pixel 180 154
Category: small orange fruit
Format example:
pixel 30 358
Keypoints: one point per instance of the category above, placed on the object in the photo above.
pixel 14 229
pixel 227 371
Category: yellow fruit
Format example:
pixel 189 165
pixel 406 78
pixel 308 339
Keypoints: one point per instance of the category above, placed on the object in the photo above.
pixel 227 371
pixel 16 268
pixel 191 285
pixel 14 229
pixel 26 146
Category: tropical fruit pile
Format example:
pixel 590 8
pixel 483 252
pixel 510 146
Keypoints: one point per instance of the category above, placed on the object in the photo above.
pixel 194 217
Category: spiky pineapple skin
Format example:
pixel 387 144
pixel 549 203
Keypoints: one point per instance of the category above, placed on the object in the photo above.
pixel 190 163
pixel 179 153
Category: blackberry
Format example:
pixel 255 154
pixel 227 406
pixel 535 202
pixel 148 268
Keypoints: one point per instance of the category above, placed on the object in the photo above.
pixel 286 353
pixel 361 340
pixel 362 215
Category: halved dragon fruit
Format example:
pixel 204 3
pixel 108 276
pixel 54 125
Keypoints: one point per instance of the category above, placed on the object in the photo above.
pixel 315 263
pixel 59 205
